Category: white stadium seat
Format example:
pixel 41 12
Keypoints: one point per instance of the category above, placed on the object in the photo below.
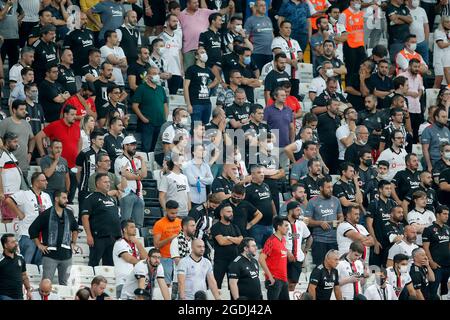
pixel 106 271
pixel 64 292
pixel 305 72
pixel 431 96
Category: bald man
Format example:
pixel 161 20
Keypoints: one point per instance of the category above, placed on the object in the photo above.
pixel 129 36
pixel 45 291
pixel 324 278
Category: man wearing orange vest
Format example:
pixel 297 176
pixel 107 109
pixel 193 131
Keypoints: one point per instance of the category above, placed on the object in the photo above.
pixel 409 52
pixel 321 7
pixel 354 52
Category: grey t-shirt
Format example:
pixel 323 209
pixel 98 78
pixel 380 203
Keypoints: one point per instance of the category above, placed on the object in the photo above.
pixel 111 13
pixel 435 136
pixel 25 133
pixel 9 27
pixel 299 169
pixel 322 209
pixel 159 144
pixel 260 29
pixel 58 180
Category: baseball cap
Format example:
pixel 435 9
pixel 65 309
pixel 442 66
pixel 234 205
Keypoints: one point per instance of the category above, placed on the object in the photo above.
pixel 128 140
pixel 292 205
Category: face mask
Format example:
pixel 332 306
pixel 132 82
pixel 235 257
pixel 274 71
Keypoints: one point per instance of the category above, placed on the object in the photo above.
pixel 415 3
pixel 403 269
pixel 34 96
pixel 368 162
pixel 156 79
pixel 362 143
pixel 413 46
pixel 85 96
pixel 238 28
pixel 332 20
pixel 382 176
pixel 238 157
pixel 236 200
pixel 270 146
pixel 184 121
pixel 357 6
pixel 160 51
pixel 329 73
pixel 447 155
pixel 247 60
pixel 380 281
pixel 204 57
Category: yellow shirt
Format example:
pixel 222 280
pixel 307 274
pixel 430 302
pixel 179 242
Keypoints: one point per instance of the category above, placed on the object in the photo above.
pixel 85 6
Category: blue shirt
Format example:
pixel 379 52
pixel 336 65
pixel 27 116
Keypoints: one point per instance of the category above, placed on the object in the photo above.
pixel 111 14
pixel 434 136
pixel 281 120
pixel 297 14
pixel 321 209
pixel 192 172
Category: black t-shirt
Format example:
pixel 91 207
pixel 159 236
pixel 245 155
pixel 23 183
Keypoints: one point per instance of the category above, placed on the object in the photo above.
pixel 212 42
pixel 87 159
pixel 221 184
pixel 139 71
pixel 108 107
pixel 356 101
pixel 103 215
pixel 380 212
pixel 237 112
pixel 439 167
pixel 231 62
pixel 35 117
pixel 247 273
pixel 346 190
pixel 319 60
pixel 275 79
pixel 47 92
pixel 326 128
pixel 391 228
pixel 322 99
pixel 200 78
pixel 377 82
pixel 88 69
pixel 44 56
pixel 66 78
pixel 80 41
pixel 397 32
pixel 439 238
pixel 101 93
pixel 373 121
pixel 420 280
pixel 11 270
pixel 311 186
pixel 261 198
pixel 352 153
pixel 444 196
pixel 203 219
pixel 325 281
pixel 113 145
pixel 432 202
pixel 41 224
pixel 405 181
pixel 229 252
pixel 242 214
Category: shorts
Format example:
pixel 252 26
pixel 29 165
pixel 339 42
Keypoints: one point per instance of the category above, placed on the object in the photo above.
pixel 438 69
pixel 7 213
pixel 294 270
pixel 159 14
pixel 167 264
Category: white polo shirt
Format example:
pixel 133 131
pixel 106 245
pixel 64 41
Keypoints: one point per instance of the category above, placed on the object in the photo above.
pixel 404 248
pixel 122 268
pixel 425 218
pixel 345 242
pixel 346 270
pixel 27 202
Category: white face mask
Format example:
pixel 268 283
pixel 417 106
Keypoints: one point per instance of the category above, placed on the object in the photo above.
pixel 413 46
pixel 403 269
pixel 204 57
pixel 270 146
pixel 160 51
pixel 238 28
pixel 156 79
pixel 447 155
pixel 415 3
pixel 329 73
pixel 238 157
pixel 357 6
pixel 184 121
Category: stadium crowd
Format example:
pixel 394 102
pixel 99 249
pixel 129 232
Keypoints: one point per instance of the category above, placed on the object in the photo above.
pixel 189 141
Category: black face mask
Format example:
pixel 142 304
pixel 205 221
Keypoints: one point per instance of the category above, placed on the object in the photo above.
pixel 368 162
pixel 236 200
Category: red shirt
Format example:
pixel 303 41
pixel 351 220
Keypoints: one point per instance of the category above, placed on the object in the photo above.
pixel 69 136
pixel 276 253
pixel 81 110
pixel 291 101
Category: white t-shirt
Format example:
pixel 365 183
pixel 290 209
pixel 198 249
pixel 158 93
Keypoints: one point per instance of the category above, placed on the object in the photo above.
pixel 11 176
pixel 176 187
pixel 302 233
pixel 416 27
pixel 122 268
pixel 175 253
pixel 294 49
pixel 172 132
pixel 425 218
pixel 374 292
pixel 445 64
pixel 392 279
pixel 403 63
pixel 27 202
pixel 171 52
pixel 404 248
pixel 119 54
pixel 340 29
pixel 195 275
pixel 14 73
pixel 140 270
pixel 319 84
pixel 266 69
pixel 341 133
pixel 438 53
pixel 123 163
pixel 345 242
pixel 396 161
pixel 346 270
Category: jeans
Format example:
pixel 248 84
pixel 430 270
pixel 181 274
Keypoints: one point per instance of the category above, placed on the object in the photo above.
pixel 132 206
pixel 5 298
pixel 50 265
pixel 261 233
pixel 278 291
pixel 167 264
pixel 102 250
pixel 119 291
pixel 441 276
pixel 430 9
pixel 320 249
pixel 29 251
pixel 262 59
pixel 201 112
pixel 395 48
pixel 422 49
pixel 149 135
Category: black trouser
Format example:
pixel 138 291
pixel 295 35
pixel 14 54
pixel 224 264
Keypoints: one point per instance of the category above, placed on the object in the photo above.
pixel 220 269
pixel 278 291
pixel 159 158
pixel 416 121
pixel 379 259
pixel 353 59
pixel 430 9
pixel 73 186
pixel 175 83
pixel 24 32
pixel 320 249
pixel 10 48
pixel 102 250
pixel 330 156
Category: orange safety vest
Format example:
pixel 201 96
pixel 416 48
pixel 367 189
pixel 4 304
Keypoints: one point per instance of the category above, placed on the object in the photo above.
pixel 408 56
pixel 319 5
pixel 354 23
